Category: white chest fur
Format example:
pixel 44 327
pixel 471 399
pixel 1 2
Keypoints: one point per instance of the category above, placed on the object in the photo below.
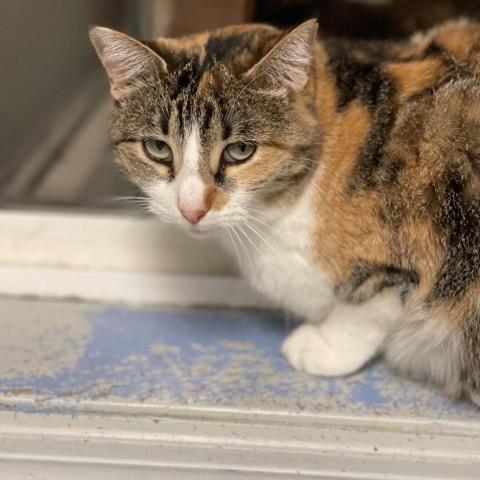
pixel 277 261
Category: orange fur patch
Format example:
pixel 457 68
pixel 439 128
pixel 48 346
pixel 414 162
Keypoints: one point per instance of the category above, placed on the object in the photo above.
pixel 192 43
pixel 348 230
pixel 214 198
pixel 327 94
pixel 459 42
pixel 257 170
pixel 416 76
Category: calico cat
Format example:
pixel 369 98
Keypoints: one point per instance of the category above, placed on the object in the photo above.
pixel 346 174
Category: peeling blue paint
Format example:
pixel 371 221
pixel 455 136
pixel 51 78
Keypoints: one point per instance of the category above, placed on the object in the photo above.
pixel 219 358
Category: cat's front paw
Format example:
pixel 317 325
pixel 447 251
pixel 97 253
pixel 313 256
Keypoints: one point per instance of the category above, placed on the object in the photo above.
pixel 307 350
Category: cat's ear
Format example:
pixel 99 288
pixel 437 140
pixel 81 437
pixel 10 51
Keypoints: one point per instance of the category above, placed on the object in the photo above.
pixel 125 59
pixel 284 69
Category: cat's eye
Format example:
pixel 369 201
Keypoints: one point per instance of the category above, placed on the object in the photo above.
pixel 158 151
pixel 238 152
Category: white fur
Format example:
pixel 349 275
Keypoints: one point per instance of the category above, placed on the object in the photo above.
pixel 338 338
pixel 190 187
pixel 279 262
pixel 426 348
pixel 475 397
pixel 349 337
pixel 186 191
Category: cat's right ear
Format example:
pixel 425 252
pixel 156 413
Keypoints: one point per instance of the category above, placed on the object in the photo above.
pixel 284 69
pixel 125 59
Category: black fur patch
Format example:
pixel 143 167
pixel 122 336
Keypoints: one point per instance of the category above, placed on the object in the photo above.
pixel 356 77
pixel 165 121
pixel 224 48
pixel 373 168
pixel 460 216
pixel 368 279
pixel 207 116
pixel 180 116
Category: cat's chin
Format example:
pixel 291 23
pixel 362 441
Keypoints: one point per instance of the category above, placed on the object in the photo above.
pixel 198 232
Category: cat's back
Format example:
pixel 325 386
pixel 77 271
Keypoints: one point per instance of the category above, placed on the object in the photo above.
pixel 399 107
pixel 401 161
pixel 436 114
pixel 411 66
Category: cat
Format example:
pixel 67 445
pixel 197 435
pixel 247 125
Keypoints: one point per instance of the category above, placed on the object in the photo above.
pixel 346 174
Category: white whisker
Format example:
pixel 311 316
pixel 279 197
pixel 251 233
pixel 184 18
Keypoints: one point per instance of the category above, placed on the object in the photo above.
pixel 249 239
pixel 234 244
pixel 242 245
pixel 261 236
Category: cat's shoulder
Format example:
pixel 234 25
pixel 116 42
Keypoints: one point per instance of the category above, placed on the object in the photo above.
pixel 381 71
pixel 455 38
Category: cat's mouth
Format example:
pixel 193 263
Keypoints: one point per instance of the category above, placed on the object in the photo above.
pixel 199 231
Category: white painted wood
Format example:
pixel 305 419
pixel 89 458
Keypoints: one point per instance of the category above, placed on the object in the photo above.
pixel 115 258
pixel 105 242
pixel 128 287
pixel 236 444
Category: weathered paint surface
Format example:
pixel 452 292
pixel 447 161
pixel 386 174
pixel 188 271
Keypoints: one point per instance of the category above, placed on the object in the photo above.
pixel 193 357
pixel 36 341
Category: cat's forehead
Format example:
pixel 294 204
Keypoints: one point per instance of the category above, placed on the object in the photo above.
pixel 204 77
pixel 235 48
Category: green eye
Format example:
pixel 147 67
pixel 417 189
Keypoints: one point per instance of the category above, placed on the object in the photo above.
pixel 238 152
pixel 158 151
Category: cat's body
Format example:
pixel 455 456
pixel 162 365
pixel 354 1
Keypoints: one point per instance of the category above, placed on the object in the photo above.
pixel 345 175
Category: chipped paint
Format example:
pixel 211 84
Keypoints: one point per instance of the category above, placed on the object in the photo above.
pixel 40 341
pixel 195 357
pixel 161 349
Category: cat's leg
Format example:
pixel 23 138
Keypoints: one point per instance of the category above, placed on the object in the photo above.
pixel 471 354
pixel 428 348
pixel 350 336
pixel 475 397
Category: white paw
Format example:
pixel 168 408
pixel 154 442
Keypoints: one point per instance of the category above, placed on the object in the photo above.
pixel 307 350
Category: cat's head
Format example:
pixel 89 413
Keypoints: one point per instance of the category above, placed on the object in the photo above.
pixel 213 126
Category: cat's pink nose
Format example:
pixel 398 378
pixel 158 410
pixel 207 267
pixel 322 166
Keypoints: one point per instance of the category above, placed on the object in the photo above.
pixel 193 216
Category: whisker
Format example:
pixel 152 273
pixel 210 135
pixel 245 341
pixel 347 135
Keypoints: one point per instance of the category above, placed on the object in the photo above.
pixel 131 199
pixel 234 244
pixel 266 215
pixel 249 257
pixel 254 218
pixel 249 239
pixel 261 236
pixel 242 245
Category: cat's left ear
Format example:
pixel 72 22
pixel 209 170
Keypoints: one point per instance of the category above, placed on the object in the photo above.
pixel 284 69
pixel 125 59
